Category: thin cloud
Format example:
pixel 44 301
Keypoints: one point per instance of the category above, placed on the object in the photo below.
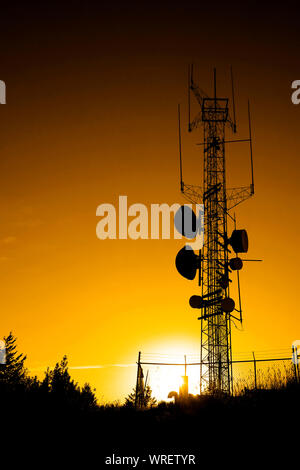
pixel 102 366
pixel 97 366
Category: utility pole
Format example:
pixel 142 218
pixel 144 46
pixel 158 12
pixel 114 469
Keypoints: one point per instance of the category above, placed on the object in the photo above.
pixel 139 389
pixel 254 364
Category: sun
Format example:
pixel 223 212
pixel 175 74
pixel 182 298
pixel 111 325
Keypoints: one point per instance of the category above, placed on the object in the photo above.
pixel 166 370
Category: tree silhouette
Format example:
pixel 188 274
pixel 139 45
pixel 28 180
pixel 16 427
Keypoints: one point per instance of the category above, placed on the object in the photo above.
pixel 57 391
pixel 63 390
pixel 13 372
pixel 148 400
pixel 88 397
pixel 59 380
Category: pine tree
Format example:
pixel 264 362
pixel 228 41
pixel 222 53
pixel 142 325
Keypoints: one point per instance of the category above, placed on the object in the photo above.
pixel 58 381
pixel 88 397
pixel 57 390
pixel 59 384
pixel 148 400
pixel 13 372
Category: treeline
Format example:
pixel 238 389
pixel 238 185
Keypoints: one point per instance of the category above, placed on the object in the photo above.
pixel 58 410
pixel 22 394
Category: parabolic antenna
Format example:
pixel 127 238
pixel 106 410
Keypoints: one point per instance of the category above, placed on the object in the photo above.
pixel 235 264
pixel 173 395
pixel 239 241
pixel 196 301
pixel 227 304
pixel 185 222
pixel 187 262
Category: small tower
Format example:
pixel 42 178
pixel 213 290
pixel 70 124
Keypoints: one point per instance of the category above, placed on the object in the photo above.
pixel 184 388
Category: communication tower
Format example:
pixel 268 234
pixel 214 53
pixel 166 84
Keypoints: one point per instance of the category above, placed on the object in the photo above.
pixel 219 256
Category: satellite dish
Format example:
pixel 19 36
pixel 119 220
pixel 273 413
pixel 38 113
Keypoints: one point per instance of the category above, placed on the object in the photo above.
pixel 236 264
pixel 187 263
pixel 239 241
pixel 173 395
pixel 196 301
pixel 227 304
pixel 185 222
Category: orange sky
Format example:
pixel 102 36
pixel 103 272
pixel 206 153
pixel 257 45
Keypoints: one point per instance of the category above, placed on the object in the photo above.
pixel 91 109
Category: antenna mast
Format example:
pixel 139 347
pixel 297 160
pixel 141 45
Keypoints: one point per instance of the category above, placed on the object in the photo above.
pixel 215 261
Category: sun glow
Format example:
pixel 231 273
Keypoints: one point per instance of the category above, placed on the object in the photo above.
pixel 164 379
pixel 167 368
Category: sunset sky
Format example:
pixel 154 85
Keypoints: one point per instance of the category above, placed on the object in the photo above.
pixel 91 114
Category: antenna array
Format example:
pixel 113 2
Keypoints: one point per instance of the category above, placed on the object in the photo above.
pixel 215 261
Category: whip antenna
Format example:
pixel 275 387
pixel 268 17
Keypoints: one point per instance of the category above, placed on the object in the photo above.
pixel 251 154
pixel 233 102
pixel 179 145
pixel 189 97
